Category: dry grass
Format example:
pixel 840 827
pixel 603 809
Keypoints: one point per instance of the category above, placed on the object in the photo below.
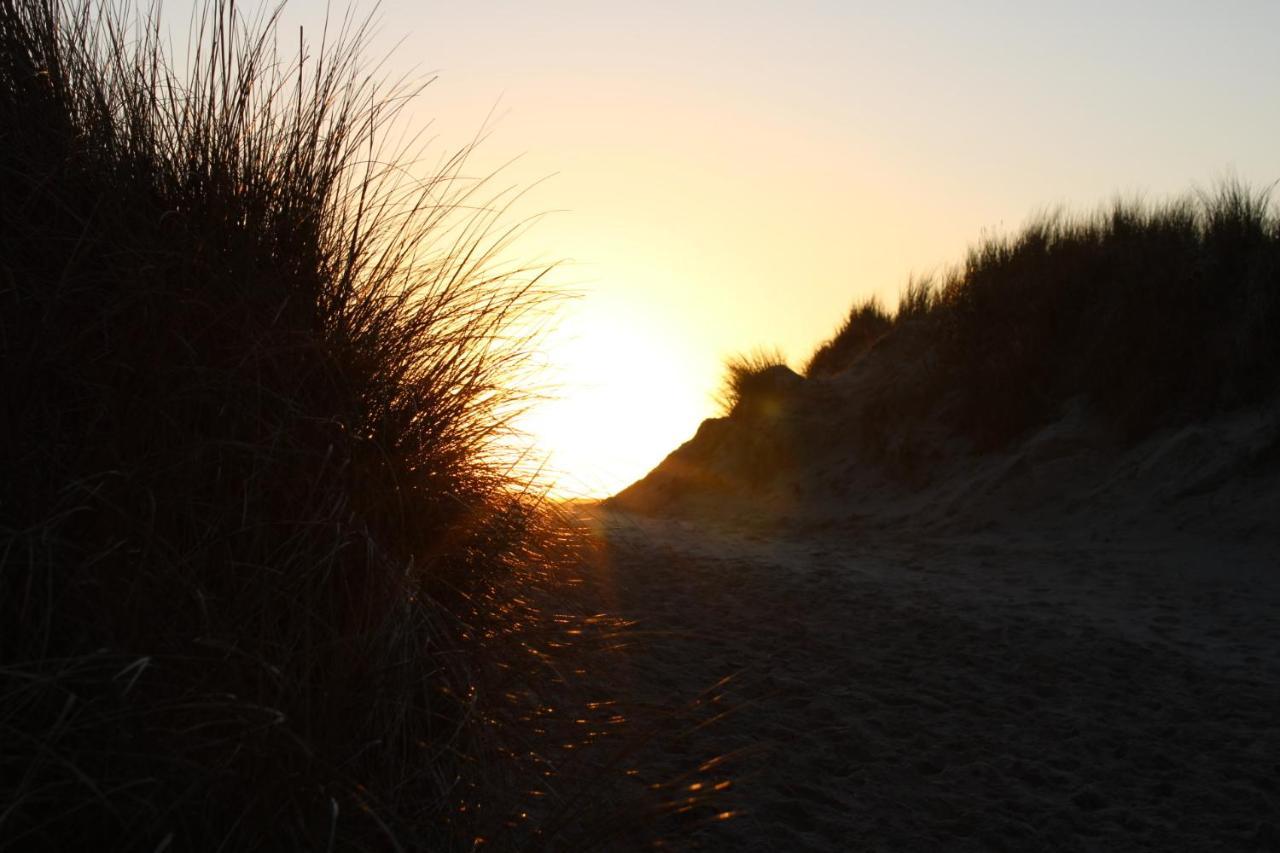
pixel 271 575
pixel 867 323
pixel 744 375
pixel 1152 313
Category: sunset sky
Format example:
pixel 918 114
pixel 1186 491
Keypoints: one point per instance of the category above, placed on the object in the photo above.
pixel 725 176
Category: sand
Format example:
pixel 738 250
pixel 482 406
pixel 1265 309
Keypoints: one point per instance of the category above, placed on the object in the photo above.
pixel 998 689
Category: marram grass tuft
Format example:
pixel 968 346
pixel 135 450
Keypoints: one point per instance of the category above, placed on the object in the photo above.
pixel 271 571
pixel 1152 314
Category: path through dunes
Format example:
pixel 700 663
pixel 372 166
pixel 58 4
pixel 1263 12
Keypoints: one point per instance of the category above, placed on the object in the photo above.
pixel 964 694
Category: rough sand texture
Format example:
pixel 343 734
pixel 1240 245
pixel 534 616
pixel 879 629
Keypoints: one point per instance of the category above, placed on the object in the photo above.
pixel 978 692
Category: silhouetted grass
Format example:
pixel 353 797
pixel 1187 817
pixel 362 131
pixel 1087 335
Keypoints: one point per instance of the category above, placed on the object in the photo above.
pixel 746 374
pixel 270 574
pixel 1153 314
pixel 867 323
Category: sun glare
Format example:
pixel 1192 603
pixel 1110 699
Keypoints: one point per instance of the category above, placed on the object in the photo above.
pixel 620 398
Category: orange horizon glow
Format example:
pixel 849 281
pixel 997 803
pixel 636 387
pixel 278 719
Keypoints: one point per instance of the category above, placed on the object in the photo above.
pixel 726 178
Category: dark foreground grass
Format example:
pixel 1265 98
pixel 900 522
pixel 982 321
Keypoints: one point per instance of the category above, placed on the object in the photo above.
pixel 1152 314
pixel 270 575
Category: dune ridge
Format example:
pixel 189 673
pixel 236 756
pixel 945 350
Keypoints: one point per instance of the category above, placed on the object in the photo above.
pixel 1123 366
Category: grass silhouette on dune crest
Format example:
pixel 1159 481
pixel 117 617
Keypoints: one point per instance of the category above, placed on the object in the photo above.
pixel 747 375
pixel 1138 318
pixel 1152 313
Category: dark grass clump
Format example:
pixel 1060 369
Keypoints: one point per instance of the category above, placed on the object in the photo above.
pixel 747 376
pixel 867 323
pixel 270 574
pixel 1153 314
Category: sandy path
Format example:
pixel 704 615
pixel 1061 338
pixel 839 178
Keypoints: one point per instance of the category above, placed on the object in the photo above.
pixel 957 695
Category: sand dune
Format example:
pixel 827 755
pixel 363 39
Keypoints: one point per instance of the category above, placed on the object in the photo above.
pixel 1069 643
pixel 815 455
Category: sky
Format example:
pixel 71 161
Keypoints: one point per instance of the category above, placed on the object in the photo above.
pixel 718 177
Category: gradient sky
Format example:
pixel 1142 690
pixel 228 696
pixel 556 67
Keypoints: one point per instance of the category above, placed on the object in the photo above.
pixel 725 176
